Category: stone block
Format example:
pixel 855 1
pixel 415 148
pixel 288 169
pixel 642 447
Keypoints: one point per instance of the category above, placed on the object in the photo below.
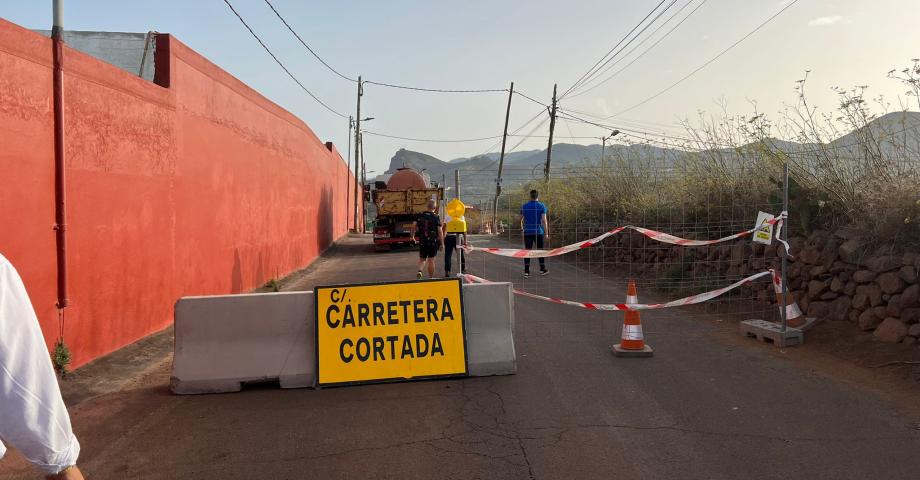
pixel 883 263
pixel 816 288
pixel 914 330
pixel 864 276
pixel 910 296
pixel 867 320
pixel 840 308
pixel 891 330
pixel 890 282
pixel 851 250
pixel 910 315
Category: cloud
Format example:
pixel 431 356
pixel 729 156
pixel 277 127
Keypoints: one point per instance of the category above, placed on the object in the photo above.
pixel 822 21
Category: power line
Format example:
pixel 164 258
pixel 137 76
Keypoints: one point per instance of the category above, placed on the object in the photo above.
pixel 382 84
pixel 652 46
pixel 822 149
pixel 597 72
pixel 494 162
pixel 460 140
pixel 713 59
pixel 590 70
pixel 639 123
pixel 307 46
pixel 431 139
pixel 516 92
pixel 437 90
pixel 637 131
pixel 302 86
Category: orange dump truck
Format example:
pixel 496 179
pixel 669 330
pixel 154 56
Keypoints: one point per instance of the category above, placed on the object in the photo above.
pixel 404 196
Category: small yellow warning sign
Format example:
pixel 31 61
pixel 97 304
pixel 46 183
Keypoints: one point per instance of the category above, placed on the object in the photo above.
pixel 389 331
pixel 763 232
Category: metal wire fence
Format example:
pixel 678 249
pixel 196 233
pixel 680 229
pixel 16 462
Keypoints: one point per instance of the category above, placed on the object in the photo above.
pixel 586 201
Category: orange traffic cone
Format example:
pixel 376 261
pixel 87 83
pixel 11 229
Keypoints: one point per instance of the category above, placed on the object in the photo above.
pixel 794 317
pixel 632 343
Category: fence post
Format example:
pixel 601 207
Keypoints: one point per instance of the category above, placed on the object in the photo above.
pixel 785 237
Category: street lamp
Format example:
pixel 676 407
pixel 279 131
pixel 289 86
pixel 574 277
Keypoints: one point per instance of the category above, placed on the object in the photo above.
pixel 604 142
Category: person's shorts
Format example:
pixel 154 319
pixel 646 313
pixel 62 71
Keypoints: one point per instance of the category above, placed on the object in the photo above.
pixel 428 250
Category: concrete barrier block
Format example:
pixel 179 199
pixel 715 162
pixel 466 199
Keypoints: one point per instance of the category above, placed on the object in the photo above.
pixel 225 340
pixel 489 311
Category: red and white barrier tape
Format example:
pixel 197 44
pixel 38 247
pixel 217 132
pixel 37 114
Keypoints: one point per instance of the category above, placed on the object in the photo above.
pixel 691 300
pixel 652 234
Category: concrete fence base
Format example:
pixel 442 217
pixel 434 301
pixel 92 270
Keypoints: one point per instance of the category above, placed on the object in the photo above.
pixel 225 341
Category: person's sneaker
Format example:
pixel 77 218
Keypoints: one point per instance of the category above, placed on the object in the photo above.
pixel 544 272
pixel 419 276
pixel 526 274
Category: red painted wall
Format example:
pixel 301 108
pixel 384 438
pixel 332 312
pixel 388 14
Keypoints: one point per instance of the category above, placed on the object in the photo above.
pixel 201 187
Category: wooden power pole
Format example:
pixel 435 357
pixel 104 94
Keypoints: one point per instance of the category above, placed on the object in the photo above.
pixel 351 124
pixel 552 125
pixel 357 146
pixel 457 182
pixel 501 163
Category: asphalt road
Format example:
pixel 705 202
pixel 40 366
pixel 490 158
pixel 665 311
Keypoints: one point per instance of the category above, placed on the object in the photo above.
pixel 708 405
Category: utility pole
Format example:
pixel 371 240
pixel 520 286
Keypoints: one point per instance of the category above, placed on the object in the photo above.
pixel 501 163
pixel 351 123
pixel 552 125
pixel 363 183
pixel 443 186
pixel 457 183
pixel 357 140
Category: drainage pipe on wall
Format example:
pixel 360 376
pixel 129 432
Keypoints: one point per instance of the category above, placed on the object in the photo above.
pixel 60 212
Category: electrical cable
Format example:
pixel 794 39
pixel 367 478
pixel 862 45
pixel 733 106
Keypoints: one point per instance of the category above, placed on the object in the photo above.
pixel 531 99
pixel 652 46
pixel 352 80
pixel 822 149
pixel 713 59
pixel 436 90
pixel 382 84
pixel 302 86
pixel 597 72
pixel 494 162
pixel 590 70
pixel 463 140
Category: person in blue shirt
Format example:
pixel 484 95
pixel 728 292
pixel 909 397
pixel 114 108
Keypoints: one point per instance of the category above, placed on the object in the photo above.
pixel 535 229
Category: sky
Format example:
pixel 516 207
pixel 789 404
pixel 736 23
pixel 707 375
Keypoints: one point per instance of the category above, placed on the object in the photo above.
pixel 479 44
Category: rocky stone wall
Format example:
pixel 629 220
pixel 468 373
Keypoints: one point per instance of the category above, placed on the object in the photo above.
pixel 833 276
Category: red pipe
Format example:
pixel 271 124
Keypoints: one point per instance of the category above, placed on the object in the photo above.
pixel 60 184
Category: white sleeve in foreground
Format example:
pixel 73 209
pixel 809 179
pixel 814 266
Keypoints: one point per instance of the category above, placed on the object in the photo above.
pixel 33 417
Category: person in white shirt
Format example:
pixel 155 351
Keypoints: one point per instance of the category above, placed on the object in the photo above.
pixel 33 417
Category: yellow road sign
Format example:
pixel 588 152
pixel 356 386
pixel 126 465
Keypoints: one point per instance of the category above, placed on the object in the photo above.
pixel 389 331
